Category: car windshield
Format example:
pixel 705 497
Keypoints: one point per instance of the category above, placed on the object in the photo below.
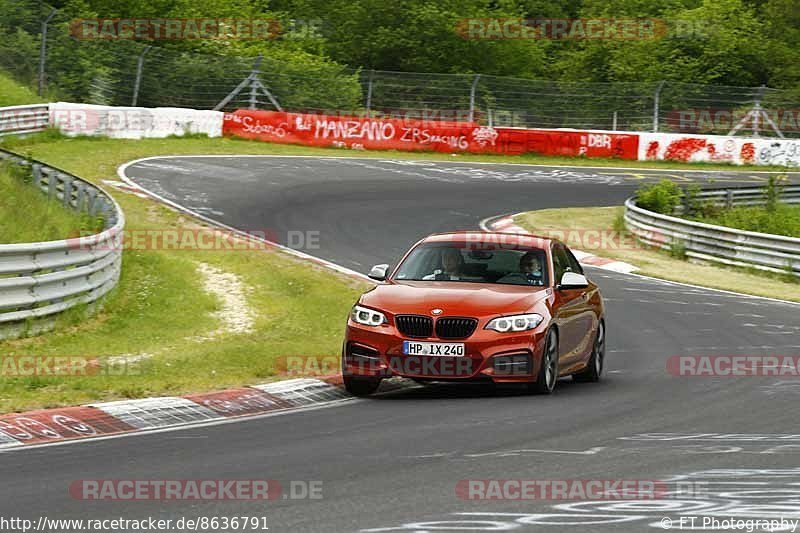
pixel 458 262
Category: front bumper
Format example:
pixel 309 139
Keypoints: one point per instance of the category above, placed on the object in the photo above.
pixel 501 357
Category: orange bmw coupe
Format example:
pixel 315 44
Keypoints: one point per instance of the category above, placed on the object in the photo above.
pixel 477 306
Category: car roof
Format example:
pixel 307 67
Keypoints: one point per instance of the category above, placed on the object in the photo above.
pixel 491 237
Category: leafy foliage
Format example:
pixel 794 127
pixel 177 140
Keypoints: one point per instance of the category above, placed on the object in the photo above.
pixel 724 42
pixel 662 197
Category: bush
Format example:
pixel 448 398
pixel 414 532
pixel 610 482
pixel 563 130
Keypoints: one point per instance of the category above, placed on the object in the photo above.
pixel 772 195
pixel 662 197
pixel 677 249
pixel 695 206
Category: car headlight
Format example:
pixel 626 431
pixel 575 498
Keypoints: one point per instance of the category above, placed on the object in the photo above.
pixel 505 324
pixel 367 317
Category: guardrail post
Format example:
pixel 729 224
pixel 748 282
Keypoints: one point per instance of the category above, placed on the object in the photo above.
pixel 656 104
pixel 37 175
pixel 80 196
pixel 67 200
pixel 52 182
pixel 729 199
pixel 472 90
pixel 91 207
pixel 43 51
pixel 99 206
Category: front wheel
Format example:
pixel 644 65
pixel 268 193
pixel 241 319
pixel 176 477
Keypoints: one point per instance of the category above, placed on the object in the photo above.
pixel 548 369
pixel 361 386
pixel 594 368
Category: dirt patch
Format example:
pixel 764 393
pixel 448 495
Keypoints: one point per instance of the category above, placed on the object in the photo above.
pixel 235 315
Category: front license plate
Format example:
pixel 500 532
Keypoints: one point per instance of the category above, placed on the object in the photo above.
pixel 443 349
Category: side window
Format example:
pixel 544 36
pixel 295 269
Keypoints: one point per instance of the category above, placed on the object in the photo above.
pixel 560 262
pixel 574 265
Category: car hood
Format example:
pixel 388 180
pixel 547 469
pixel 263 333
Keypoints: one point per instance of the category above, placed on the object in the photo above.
pixel 453 298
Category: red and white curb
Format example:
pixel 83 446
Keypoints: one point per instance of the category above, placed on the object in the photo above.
pixel 507 225
pixel 147 414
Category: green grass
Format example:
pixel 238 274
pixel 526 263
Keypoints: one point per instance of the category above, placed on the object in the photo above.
pixel 28 215
pixel 160 308
pixel 784 220
pixel 668 265
pixel 12 93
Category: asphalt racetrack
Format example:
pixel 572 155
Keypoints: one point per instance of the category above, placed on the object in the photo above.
pixel 392 463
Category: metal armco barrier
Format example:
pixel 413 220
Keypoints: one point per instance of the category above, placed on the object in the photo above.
pixel 24 119
pixel 774 253
pixel 44 278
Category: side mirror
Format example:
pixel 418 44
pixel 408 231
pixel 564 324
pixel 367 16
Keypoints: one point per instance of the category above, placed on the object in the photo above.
pixel 573 280
pixel 378 272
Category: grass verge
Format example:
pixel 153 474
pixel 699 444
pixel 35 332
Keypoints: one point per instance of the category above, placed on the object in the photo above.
pixel 12 93
pixel 27 215
pixel 573 224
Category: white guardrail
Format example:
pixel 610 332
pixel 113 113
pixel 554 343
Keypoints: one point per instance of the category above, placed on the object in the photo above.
pixel 44 278
pixel 706 242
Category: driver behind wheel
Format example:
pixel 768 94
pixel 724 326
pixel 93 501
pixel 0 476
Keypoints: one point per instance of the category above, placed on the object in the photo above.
pixel 452 265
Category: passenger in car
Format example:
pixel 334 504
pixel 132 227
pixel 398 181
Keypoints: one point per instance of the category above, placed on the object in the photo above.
pixel 530 271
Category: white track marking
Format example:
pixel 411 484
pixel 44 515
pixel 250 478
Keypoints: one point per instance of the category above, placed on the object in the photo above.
pixel 515 453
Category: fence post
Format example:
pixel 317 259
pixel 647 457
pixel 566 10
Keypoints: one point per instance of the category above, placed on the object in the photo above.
pixel 253 86
pixel 472 97
pixel 757 111
pixel 43 50
pixel 138 82
pixel 755 115
pixel 369 93
pixel 656 103
pixel 614 122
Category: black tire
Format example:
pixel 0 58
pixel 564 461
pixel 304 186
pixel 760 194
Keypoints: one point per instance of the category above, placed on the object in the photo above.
pixel 361 386
pixel 548 370
pixel 594 368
